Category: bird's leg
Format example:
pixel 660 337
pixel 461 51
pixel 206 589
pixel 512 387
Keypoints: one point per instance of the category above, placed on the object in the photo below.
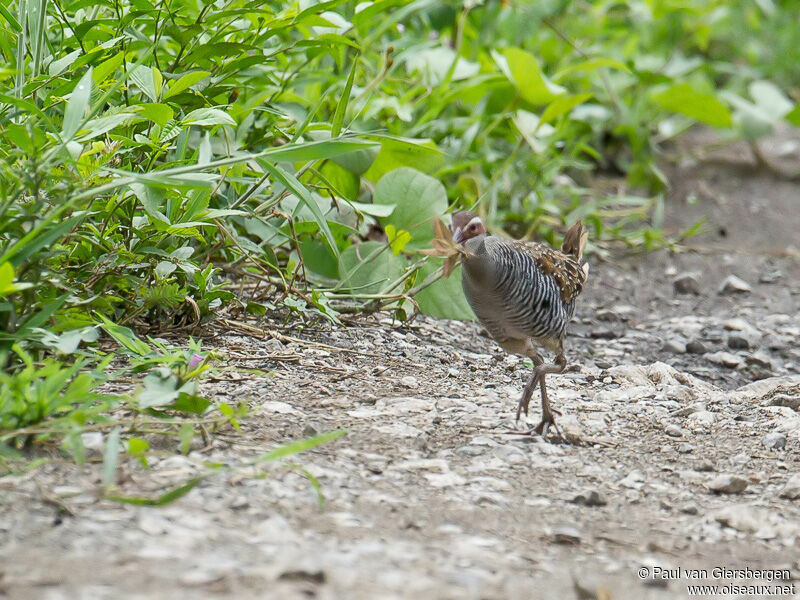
pixel 538 361
pixel 547 412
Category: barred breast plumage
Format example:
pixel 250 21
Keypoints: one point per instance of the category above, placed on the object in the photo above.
pixel 517 289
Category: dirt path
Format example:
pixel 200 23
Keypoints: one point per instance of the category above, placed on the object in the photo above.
pixel 429 496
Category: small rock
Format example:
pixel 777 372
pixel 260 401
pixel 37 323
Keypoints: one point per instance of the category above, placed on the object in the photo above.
pixel 770 276
pixel 726 359
pixel 759 359
pixel 736 324
pixel 604 333
pixel 728 484
pixel 633 480
pixel 792 402
pixel 734 285
pixel 282 408
pixel 307 575
pixel 701 418
pixel 310 430
pixel 566 534
pixel 93 442
pixel 696 347
pixel 674 346
pixel 738 341
pixel 274 345
pixel 774 440
pixel 705 466
pixel 686 283
pixel 685 448
pixel 792 488
pixel 606 315
pixel 589 498
pixel 740 517
pixel 409 381
pixel 673 430
pixel 689 509
pixel 603 364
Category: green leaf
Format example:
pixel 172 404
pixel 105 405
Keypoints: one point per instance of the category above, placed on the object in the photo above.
pixel 157 113
pixel 170 496
pixel 561 106
pixel 590 65
pixel 6 279
pixel 152 199
pixel 111 457
pixel 208 116
pixel 341 107
pixel 422 155
pixel 369 267
pixel 318 258
pixel 191 403
pixel 397 239
pixel 102 125
pixel 523 70
pixel 794 116
pixel 298 189
pixel 443 299
pixel 375 210
pixel 185 82
pixel 683 99
pixel 107 68
pixel 124 336
pixel 300 446
pixel 418 199
pixel 146 79
pixel 77 106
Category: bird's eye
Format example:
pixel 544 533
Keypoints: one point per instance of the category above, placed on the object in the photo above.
pixel 473 227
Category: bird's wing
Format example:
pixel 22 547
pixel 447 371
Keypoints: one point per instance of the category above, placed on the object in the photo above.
pixel 565 269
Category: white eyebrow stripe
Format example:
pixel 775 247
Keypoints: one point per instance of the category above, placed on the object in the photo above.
pixel 475 221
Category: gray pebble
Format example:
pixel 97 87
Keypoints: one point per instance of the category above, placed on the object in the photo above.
pixel 673 430
pixel 727 483
pixel 726 359
pixel 792 489
pixel 566 534
pixel 674 346
pixel 774 440
pixel 734 285
pixel 589 498
pixel 696 347
pixel 686 283
pixel 759 359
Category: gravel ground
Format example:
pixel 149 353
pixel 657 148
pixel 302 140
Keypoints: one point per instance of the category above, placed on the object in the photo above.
pixel 682 450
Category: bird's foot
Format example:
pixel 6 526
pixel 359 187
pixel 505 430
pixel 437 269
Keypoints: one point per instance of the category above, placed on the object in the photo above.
pixel 549 420
pixel 576 368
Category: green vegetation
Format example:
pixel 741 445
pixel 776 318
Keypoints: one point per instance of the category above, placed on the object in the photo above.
pixel 155 154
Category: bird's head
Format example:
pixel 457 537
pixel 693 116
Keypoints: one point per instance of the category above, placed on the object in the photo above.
pixel 466 225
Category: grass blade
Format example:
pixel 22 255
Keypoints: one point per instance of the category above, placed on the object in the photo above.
pixel 341 107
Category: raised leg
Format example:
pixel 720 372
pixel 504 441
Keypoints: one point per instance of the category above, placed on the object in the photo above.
pixel 538 378
pixel 533 380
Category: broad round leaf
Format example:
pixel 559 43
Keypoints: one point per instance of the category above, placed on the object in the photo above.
pixel 418 198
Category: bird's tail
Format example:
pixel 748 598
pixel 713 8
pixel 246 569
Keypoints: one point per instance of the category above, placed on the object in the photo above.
pixel 445 246
pixel 575 242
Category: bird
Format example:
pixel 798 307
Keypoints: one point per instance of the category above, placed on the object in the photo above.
pixel 523 293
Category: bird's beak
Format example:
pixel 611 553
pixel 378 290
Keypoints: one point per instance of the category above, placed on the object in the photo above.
pixel 458 235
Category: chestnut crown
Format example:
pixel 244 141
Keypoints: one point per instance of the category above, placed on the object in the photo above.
pixel 466 225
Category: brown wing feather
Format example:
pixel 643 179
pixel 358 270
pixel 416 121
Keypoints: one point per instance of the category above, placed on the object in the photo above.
pixel 565 269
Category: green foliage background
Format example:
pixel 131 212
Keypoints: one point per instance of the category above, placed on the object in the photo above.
pixel 154 151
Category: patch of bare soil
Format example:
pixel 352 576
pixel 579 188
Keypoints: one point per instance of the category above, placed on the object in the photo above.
pixel 683 429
